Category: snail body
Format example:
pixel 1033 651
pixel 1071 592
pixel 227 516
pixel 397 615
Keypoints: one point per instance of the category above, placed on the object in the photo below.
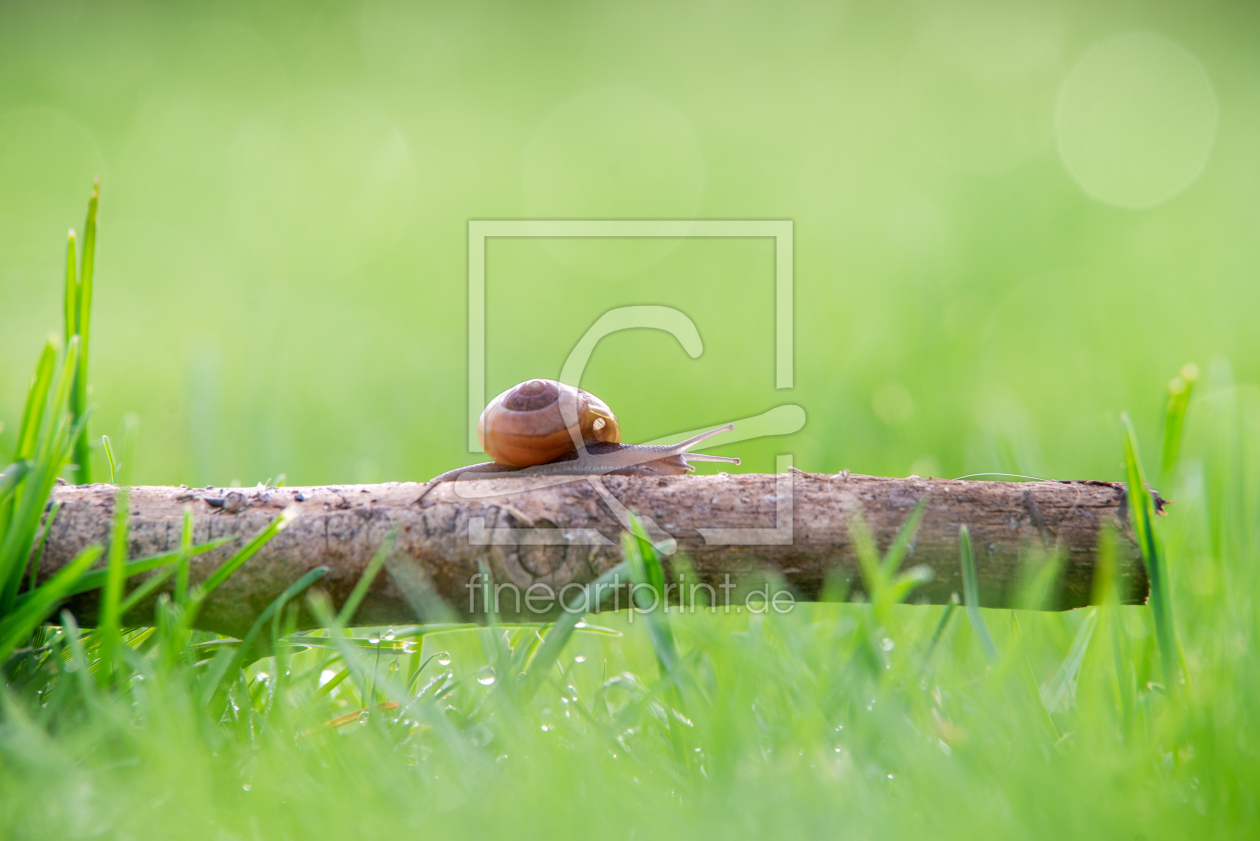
pixel 547 428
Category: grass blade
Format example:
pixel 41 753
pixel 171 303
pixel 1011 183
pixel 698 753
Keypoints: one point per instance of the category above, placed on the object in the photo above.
pixel 186 551
pixel 96 578
pixel 946 615
pixel 646 571
pixel 562 629
pixel 248 551
pixel 237 661
pixel 9 479
pixel 19 625
pixel 348 609
pixel 971 594
pixel 905 536
pixel 83 314
pixel 111 593
pixel 36 400
pixel 1142 513
pixel 1179 389
pixel 47 458
pixel 138 594
pixel 1053 695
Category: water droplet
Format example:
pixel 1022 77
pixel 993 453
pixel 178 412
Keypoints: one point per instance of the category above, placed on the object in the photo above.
pixel 580 658
pixel 363 716
pixel 890 776
pixel 444 659
pixel 547 728
pixel 246 787
pixel 870 706
pixel 887 644
pixel 409 648
pixel 839 749
pixel 389 635
pixel 486 676
pixel 375 639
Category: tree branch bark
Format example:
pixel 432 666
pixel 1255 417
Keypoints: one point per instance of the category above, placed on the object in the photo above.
pixel 551 537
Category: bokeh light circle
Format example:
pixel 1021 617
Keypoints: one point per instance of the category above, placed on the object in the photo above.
pixel 1136 120
pixel 979 85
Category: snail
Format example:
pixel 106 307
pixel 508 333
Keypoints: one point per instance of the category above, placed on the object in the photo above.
pixel 547 428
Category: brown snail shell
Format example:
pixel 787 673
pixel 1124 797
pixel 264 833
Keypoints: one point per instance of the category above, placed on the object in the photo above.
pixel 541 420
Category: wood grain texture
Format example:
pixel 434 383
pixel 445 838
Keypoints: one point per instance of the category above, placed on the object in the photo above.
pixel 341 527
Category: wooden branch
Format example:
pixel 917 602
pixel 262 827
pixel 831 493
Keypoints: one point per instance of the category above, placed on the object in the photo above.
pixel 542 538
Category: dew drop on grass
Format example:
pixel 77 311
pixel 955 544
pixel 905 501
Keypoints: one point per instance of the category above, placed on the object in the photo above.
pixel 389 635
pixel 444 659
pixel 374 639
pixel 887 644
pixel 486 676
pixel 580 658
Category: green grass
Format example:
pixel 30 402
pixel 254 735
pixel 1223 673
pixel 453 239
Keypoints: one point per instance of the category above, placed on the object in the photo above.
pixel 871 719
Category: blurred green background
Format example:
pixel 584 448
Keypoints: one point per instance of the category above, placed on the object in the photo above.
pixel 1012 220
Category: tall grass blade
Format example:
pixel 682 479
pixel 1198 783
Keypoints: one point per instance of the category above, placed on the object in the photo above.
pixel 96 578
pixel 83 314
pixel 186 551
pixel 230 666
pixel 646 572
pixel 1142 513
pixel 38 555
pixel 905 537
pixel 109 456
pixel 1054 694
pixel 112 592
pixel 946 615
pixel 562 629
pixel 47 458
pixel 346 615
pixel 9 479
pixel 246 552
pixel 1179 391
pixel 36 399
pixel 971 594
